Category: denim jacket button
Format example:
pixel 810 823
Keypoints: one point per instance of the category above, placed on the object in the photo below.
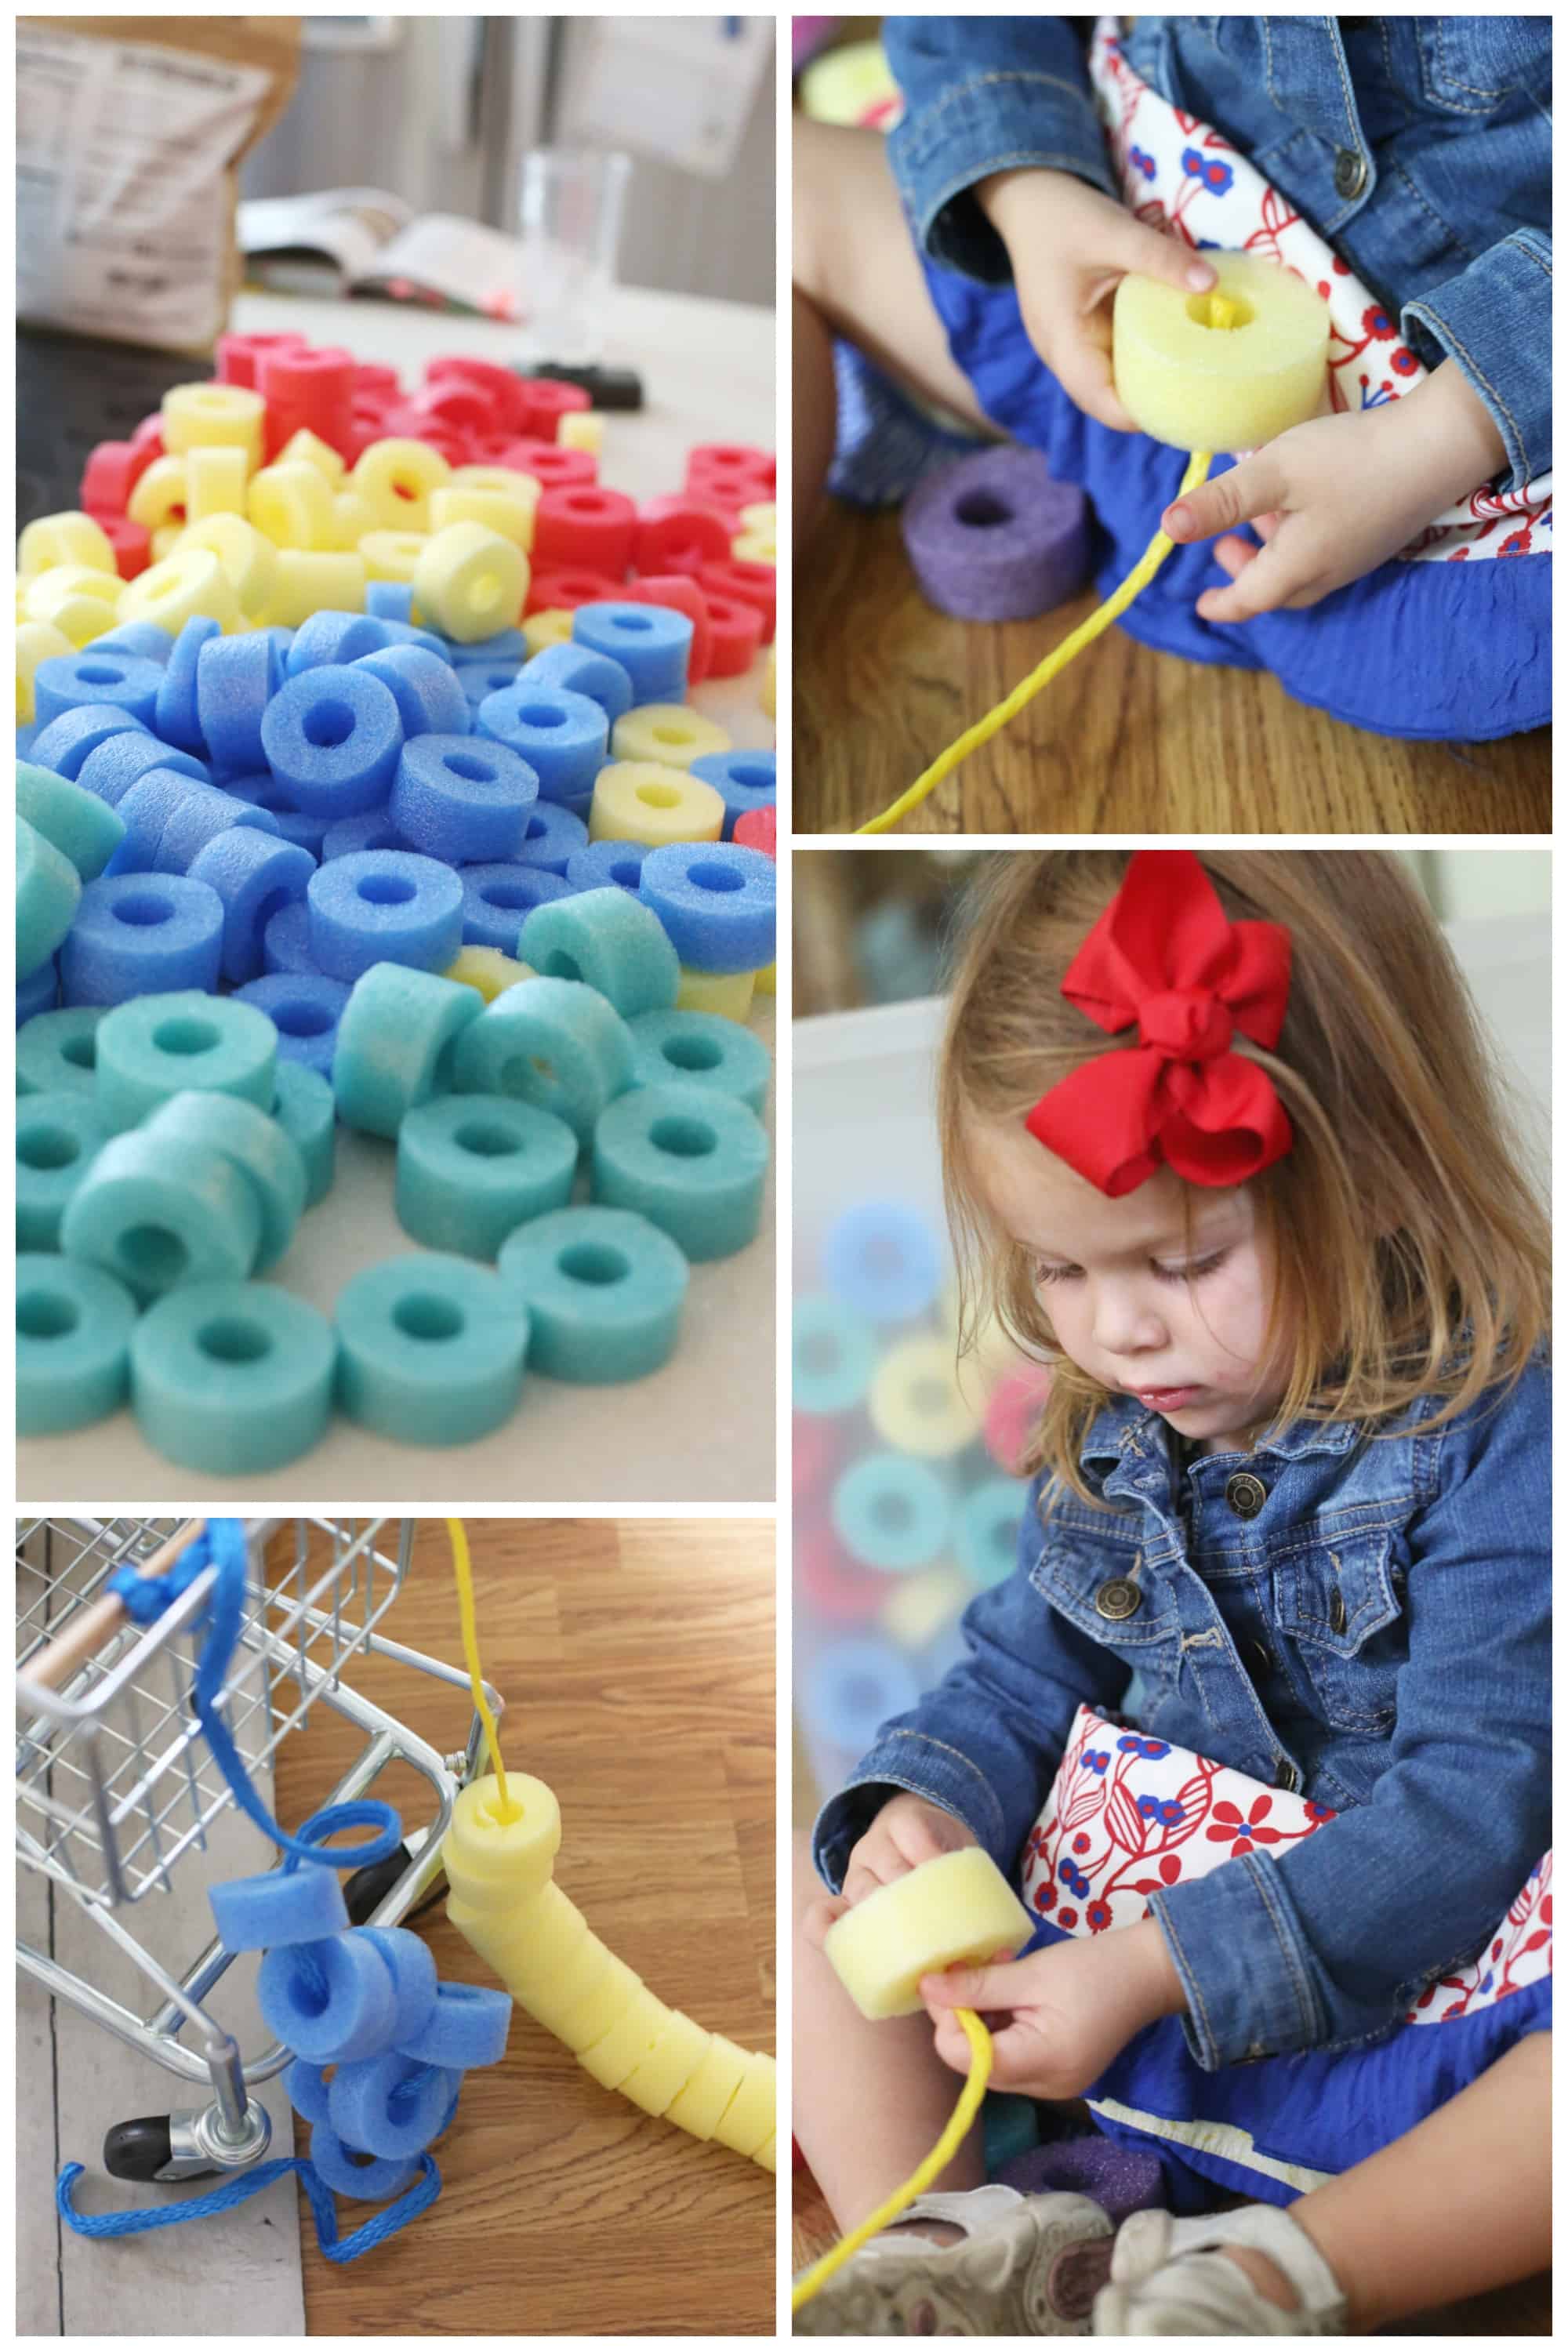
pixel 1118 1598
pixel 1244 1493
pixel 1286 1777
pixel 1349 173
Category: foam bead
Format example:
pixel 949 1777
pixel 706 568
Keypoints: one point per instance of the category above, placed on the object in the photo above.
pixel 638 800
pixel 509 515
pixel 134 936
pixel 834 1356
pixel 883 1260
pixel 744 781
pixel 758 830
pixel 701 2105
pixel 398 1043
pixel 331 2001
pixel 548 628
pixel 286 940
pixel 499 1857
pixel 427 691
pixel 465 799
pixel 48 892
pixel 230 1377
pixel 561 736
pixel 498 898
pixel 956 1910
pixel 310 450
pixel 585 523
pixel 994 537
pixel 467 2027
pixel 132 545
pixel 488 970
pixel 553 834
pixel 678 2048
pixel 986 1535
pixel 305 1008
pixel 917 1404
pixel 189 582
pixel 1225 369
pixel 306 1111
pixel 667 734
pixel 58 1137
pixel 159 496
pixel 216 483
pixel 507 646
pixel 36 642
pixel 305 2087
pixel 73 1341
pixel 627 2041
pixel 212 415
pixel 735 632
pixel 893 1513
pixel 73 611
pixel 431 1349
pixel 383 907
pixel 716 901
pixel 395 476
pixel 305 385
pixel 332 640
pixel 253 873
pixel 112 472
pixel 755 547
pixel 470 581
pixel 57 1052
pixel 578 669
pixel 605 865
pixel 239 355
pixel 414 1980
pixel 693 1162
pixel 679 535
pixel 388 2106
pixel 66 681
pixel 176 715
pixel 747 583
pixel 605 1291
pixel 69 538
pixel 198 814
pixel 279 1908
pixel 142 640
pixel 255 1144
pixel 351 834
pixel 249 560
pixel 472 1168
pixel 387 596
pixel 480 680
pixel 609 940
pixel 180 1042
pixel 113 771
pixel 348 2172
pixel 651 644
pixel 725 994
pixel 695 1049
pixel 68 741
pixel 40 992
pixel 155 1226
pixel 307 832
pixel 332 736
pixel 556 1043
pixel 550 466
pixel 852 1686
pixel 309 579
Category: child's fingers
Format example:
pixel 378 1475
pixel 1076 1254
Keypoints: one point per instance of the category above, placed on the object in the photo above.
pixel 1252 487
pixel 1153 255
pixel 821 1916
pixel 1006 1984
pixel 1015 2051
pixel 1265 579
pixel 1082 367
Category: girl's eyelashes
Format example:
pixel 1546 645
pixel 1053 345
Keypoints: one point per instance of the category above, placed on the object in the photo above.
pixel 1044 1272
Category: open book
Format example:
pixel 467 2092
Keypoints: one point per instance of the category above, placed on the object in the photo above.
pixel 363 241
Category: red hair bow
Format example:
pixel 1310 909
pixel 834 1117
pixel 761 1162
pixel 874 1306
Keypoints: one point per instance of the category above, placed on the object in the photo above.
pixel 1165 955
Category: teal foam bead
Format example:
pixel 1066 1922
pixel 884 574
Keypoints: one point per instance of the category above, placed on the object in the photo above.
pixel 431 1349
pixel 158 1222
pixel 694 1163
pixel 834 1356
pixel 699 1049
pixel 57 1052
pixel 986 1534
pixel 230 1377
pixel 257 1146
pixel 307 1111
pixel 73 1344
pixel 40 992
pixel 609 940
pixel 58 1137
pixel 48 891
pixel 82 827
pixel 604 1292
pixel 472 1168
pixel 1010 2127
pixel 556 1043
pixel 892 1512
pixel 152 1047
pixel 397 1041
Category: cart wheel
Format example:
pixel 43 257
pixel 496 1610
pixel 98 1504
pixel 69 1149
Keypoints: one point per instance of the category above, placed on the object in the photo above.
pixel 139 2151
pixel 370 1887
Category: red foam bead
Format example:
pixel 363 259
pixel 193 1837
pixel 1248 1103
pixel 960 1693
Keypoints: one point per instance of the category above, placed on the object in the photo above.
pixel 680 534
pixel 149 435
pixel 506 389
pixel 832 1585
pixel 681 595
pixel 734 472
pixel 554 468
pixel 749 583
pixel 737 631
pixel 813 1440
pixel 758 829
pixel 309 389
pixel 545 400
pixel 585 524
pixel 372 378
pixel 112 472
pixel 131 541
pixel 455 400
pixel 564 590
pixel 237 355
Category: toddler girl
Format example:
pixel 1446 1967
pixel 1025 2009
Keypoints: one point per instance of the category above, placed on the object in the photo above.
pixel 1400 164
pixel 1261 1719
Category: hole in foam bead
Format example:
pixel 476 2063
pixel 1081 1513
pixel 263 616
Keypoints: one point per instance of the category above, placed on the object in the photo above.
pixel 153 1254
pixel 81 1053
pixel 45 1315
pixel 100 673
pixel 300 1019
pixel 486 1142
pixel 691 1053
pixel 309 1992
pixel 593 1263
pixel 632 622
pixel 928 1397
pixel 482 591
pixel 683 1138
pixel 327 723
pixel 44 1148
pixel 714 877
pixel 673 735
pixel 141 909
pixel 422 1316
pixel 819 1352
pixel 232 1340
pixel 511 898
pixel 559 965
pixel 981 511
pixel 751 777
pixel 184 1037
pixel 471 771
pixel 1220 310
pixel 386 889
pixel 540 714
pixel 658 796
pixel 627 873
pixel 893 1513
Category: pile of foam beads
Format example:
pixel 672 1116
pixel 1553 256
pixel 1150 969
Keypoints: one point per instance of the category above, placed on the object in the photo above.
pixel 906 1504
pixel 312 832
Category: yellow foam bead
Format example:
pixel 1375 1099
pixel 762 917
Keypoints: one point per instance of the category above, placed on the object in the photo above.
pixel 1226 370
pixel 190 582
pixel 64 586
pixel 351 520
pixel 392 554
pixel 751 2119
pixel 755 547
pixel 216 483
pixel 620 2051
pixel 767 2155
pixel 37 641
pixel 604 1994
pixel 470 581
pixel 214 416
pixel 315 580
pixel 397 478
pixel 701 2104
pixel 307 448
pixel 916 1403
pixel 728 994
pixel 955 1909
pixel 550 627
pixel 70 537
pixel 161 495
pixel 293 505
pixel 670 734
pixel 526 487
pixel 581 428
pixel 668 2066
pixel 483 1848
pixel 489 970
pixel 164 540
pixel 246 555
pixel 763 517
pixel 770 693
pixel 919 1607
pixel 768 980
pixel 642 800
pixel 79 619
pixel 498 510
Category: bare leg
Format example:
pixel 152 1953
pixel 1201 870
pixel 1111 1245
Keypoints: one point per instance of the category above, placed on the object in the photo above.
pixel 869 2100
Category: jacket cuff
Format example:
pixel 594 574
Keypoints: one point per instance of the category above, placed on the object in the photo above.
pixel 925 1767
pixel 1494 322
pixel 1243 1966
pixel 990 122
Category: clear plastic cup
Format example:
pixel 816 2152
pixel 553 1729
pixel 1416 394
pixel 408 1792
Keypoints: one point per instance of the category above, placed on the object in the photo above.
pixel 569 214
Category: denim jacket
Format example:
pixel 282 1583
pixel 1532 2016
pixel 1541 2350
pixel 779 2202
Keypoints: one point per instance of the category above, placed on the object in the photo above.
pixel 1365 1621
pixel 1419 147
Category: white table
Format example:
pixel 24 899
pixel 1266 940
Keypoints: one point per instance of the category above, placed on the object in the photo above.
pixel 703 1429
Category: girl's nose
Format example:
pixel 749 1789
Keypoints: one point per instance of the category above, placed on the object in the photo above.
pixel 1126 1322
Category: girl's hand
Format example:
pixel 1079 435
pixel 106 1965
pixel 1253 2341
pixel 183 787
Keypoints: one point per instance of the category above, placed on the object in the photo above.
pixel 1073 2006
pixel 1333 500
pixel 907 1832
pixel 1070 246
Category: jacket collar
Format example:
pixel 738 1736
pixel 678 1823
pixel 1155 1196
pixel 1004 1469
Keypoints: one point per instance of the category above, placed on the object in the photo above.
pixel 1126 1429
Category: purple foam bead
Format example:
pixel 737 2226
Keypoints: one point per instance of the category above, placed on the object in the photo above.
pixel 994 538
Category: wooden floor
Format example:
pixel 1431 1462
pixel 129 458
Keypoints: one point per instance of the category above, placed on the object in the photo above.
pixel 636 1661
pixel 1126 740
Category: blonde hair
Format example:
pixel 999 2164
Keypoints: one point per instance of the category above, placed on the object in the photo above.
pixel 1413 1258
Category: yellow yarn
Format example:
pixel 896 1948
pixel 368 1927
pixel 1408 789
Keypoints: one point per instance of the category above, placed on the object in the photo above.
pixel 463 1572
pixel 813 2281
pixel 1099 621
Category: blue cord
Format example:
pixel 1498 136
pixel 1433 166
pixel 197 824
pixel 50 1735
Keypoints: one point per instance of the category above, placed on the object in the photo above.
pixel 381 2226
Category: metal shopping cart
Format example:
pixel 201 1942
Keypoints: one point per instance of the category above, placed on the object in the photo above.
pixel 117 1790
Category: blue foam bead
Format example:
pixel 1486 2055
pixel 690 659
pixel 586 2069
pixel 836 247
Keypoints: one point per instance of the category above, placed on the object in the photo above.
pixel 429 700
pixel 389 600
pixel 331 737
pixel 579 670
pixel 384 906
pixel 140 935
pixel 348 2172
pixel 610 940
pixel 66 681
pixel 145 639
pixel 277 1908
pixel 607 865
pixel 355 2019
pixel 388 2106
pixel 283 638
pixel 461 799
pixel 331 639
pixel 467 2027
pixel 40 992
pixel 497 899
pixel 151 806
pixel 403 632
pixel 414 1984
pixel 236 679
pixel 565 737
pixel 74 1324
pixel 480 680
pixel 505 645
pixel 430 1349
pixel 175 718
pixel 306 1008
pixel 306 2086
pixel 286 940
pixel 604 1292
pixel 200 817
pixel 716 900
pixel 65 743
pixel 881 1259
pixel 110 769
pixel 553 834
pixel 552 1042
pixel 692 1160
pixel 651 643
pixel 307 832
pixel 255 874
pixel 853 1685
pixel 79 825
pixel 350 835
pixel 834 1356
pixel 743 781
pixel 26 738
pixel 892 1512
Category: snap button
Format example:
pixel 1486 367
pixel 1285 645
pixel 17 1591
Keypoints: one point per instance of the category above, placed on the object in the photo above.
pixel 1349 173
pixel 1286 1777
pixel 1244 1493
pixel 1118 1597
pixel 1337 1613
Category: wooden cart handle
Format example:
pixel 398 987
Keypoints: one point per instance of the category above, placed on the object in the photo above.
pixel 96 1624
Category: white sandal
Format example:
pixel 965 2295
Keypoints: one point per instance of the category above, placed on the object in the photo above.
pixel 1167 2279
pixel 1011 2274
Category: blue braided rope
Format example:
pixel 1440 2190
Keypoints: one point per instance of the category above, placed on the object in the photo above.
pixel 381 2226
